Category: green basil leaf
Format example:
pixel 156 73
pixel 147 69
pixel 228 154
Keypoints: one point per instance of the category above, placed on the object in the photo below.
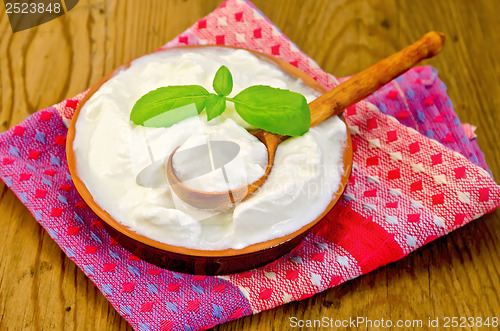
pixel 223 81
pixel 274 110
pixel 168 105
pixel 215 105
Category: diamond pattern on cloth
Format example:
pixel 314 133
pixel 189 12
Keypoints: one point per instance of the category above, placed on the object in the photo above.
pixel 417 175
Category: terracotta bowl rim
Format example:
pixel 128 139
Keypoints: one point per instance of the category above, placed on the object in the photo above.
pixel 254 248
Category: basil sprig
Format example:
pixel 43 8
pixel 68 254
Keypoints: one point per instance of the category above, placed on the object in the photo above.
pixel 275 110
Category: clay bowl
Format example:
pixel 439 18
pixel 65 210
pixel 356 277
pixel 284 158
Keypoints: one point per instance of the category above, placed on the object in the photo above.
pixel 193 261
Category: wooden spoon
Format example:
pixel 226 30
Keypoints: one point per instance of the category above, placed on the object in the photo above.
pixel 329 104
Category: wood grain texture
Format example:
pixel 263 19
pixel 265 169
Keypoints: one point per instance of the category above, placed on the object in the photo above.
pixel 457 275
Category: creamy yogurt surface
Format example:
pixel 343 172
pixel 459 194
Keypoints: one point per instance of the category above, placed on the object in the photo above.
pixel 121 163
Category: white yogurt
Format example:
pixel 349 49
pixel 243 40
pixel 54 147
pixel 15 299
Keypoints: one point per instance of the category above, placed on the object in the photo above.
pixel 111 152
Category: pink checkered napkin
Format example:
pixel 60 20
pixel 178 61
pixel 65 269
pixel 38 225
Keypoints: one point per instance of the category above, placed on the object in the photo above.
pixel 405 190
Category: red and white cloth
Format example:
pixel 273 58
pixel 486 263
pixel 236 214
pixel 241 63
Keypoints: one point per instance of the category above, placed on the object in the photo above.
pixel 418 174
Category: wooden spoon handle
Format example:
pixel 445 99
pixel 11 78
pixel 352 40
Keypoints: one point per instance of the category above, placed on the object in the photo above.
pixel 371 79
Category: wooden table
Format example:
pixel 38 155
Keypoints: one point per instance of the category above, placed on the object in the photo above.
pixel 458 275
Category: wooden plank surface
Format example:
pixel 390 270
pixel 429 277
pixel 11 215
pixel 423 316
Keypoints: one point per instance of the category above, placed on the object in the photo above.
pixel 458 275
